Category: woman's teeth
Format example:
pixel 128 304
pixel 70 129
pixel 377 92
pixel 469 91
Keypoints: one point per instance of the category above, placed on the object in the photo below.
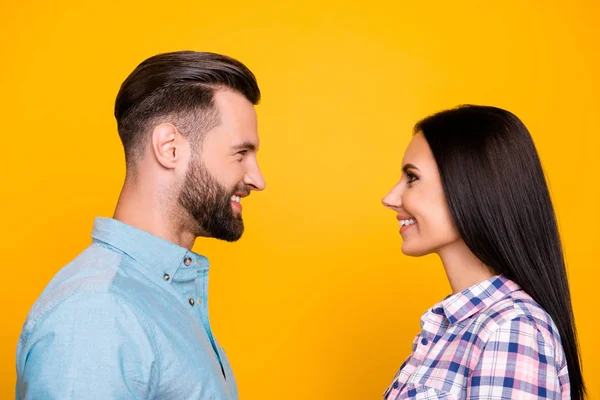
pixel 407 222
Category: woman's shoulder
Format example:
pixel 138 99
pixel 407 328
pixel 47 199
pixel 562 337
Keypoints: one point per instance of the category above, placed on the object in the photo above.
pixel 520 317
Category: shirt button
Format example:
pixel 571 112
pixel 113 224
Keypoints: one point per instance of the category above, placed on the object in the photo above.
pixel 395 385
pixel 191 302
pixel 187 261
pixel 424 342
pixel 166 277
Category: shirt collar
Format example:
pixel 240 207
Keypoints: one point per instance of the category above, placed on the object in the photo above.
pixel 470 301
pixel 161 257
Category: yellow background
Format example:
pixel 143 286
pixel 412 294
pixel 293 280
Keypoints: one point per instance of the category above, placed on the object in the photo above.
pixel 316 301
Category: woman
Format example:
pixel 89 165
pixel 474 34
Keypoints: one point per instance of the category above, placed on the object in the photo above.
pixel 473 192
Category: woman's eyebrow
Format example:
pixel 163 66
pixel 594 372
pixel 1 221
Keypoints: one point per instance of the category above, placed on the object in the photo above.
pixel 409 166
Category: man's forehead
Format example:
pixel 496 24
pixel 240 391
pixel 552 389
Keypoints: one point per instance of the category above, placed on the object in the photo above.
pixel 237 129
pixel 231 102
pixel 236 113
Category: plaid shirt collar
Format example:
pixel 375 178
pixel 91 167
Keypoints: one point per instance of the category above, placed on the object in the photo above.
pixel 470 301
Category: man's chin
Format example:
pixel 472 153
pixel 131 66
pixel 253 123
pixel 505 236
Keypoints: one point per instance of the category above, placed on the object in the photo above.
pixel 233 237
pixel 230 235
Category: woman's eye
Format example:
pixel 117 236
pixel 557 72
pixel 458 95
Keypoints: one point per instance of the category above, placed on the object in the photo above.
pixel 411 177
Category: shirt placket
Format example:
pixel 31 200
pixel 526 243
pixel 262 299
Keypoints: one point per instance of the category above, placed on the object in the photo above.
pixel 423 343
pixel 201 300
pixel 432 324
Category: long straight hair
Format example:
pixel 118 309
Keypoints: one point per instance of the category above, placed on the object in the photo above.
pixel 499 200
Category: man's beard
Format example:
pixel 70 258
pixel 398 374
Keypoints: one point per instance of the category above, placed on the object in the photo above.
pixel 209 203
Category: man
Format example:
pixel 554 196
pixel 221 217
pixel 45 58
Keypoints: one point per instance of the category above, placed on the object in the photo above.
pixel 127 319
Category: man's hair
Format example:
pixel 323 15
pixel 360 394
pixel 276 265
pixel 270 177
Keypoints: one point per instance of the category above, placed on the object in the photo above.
pixel 178 88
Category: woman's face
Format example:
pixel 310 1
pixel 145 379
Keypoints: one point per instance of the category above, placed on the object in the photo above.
pixel 420 204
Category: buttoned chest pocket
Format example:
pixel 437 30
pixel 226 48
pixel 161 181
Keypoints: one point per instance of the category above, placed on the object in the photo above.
pixel 417 392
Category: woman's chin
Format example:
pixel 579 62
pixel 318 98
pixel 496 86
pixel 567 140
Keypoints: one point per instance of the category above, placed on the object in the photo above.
pixel 409 249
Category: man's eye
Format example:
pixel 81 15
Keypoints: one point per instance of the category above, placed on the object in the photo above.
pixel 241 154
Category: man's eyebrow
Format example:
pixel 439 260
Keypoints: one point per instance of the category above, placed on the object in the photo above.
pixel 244 146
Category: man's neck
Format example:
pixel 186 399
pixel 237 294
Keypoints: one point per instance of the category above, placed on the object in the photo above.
pixel 144 210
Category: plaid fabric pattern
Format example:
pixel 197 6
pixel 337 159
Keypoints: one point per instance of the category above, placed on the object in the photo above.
pixel 491 341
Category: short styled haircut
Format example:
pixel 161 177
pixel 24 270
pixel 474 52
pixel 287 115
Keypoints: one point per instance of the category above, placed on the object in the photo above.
pixel 178 88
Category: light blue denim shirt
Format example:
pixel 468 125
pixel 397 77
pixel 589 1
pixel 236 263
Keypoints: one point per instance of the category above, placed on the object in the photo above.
pixel 127 319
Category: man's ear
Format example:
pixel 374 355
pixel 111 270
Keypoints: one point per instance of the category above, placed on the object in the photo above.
pixel 166 145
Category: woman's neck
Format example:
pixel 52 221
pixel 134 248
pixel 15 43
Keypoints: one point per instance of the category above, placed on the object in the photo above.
pixel 463 268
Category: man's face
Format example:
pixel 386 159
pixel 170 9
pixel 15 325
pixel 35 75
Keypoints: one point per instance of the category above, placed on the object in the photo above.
pixel 225 171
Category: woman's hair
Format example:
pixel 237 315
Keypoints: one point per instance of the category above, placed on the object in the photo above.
pixel 498 198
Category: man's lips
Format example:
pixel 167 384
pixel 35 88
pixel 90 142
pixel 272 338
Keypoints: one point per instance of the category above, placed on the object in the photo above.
pixel 236 200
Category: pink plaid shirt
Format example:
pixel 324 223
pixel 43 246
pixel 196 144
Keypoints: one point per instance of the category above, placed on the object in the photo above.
pixel 491 341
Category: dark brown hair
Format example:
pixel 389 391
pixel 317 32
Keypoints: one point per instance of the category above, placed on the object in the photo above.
pixel 177 87
pixel 499 199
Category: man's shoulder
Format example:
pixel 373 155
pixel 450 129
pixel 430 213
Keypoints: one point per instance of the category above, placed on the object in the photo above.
pixel 96 273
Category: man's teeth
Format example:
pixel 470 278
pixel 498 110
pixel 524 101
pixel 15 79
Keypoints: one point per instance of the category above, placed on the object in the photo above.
pixel 236 198
pixel 406 222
